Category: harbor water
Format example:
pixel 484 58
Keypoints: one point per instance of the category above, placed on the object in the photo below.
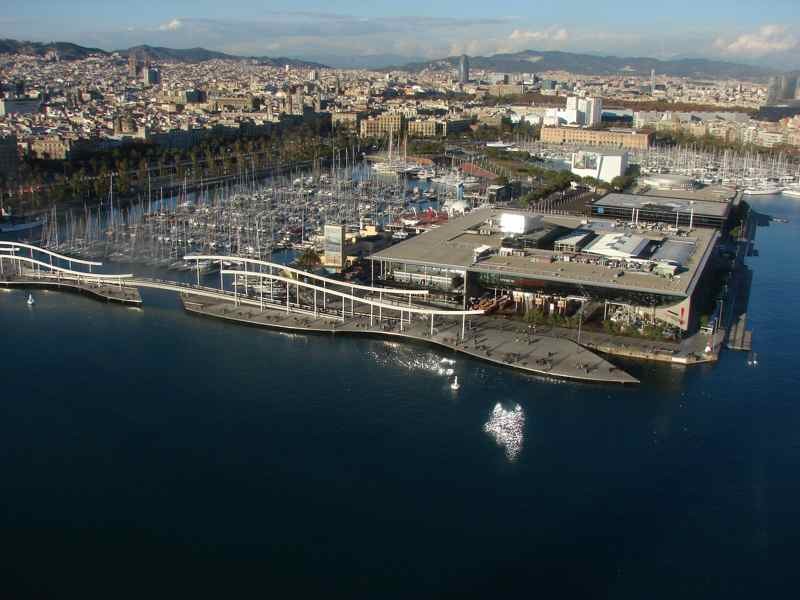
pixel 149 452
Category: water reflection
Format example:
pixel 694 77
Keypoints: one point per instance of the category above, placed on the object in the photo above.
pixel 411 358
pixel 507 427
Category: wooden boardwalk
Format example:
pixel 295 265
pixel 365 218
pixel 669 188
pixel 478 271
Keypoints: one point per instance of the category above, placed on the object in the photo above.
pixel 99 290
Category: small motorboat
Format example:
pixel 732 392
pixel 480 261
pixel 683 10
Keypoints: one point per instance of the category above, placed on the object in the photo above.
pixel 455 385
pixel 30 300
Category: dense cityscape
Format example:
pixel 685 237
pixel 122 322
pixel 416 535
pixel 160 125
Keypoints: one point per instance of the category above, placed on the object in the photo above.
pixel 54 109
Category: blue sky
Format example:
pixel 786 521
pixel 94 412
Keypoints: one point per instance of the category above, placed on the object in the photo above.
pixel 766 32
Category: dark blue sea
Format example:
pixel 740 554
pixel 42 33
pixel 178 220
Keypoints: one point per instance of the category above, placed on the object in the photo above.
pixel 148 453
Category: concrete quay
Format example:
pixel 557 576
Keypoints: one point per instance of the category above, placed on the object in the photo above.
pixel 543 356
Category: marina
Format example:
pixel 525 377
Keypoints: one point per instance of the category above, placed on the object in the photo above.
pixel 239 243
pixel 247 217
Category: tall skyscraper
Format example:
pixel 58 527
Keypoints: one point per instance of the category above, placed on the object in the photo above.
pixel 151 76
pixel 133 65
pixel 782 89
pixel 463 69
pixel 787 87
pixel 591 111
pixel 773 89
pixel 652 81
pixel 296 101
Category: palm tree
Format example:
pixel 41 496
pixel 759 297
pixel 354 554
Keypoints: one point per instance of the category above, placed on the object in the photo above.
pixel 309 259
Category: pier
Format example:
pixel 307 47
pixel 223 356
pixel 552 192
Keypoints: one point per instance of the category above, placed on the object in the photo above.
pixel 543 356
pixel 318 304
pixel 738 288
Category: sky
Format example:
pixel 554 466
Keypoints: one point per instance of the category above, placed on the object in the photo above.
pixel 378 33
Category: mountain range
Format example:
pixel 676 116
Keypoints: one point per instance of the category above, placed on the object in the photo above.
pixel 527 61
pixel 69 51
pixel 533 61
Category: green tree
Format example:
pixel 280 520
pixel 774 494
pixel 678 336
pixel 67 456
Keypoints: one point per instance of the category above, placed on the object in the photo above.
pixel 308 259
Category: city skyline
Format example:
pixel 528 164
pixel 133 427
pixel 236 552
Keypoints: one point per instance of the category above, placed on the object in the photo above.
pixel 382 34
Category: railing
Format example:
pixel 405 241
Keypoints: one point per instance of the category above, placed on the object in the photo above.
pixel 14 245
pixel 410 309
pixel 13 258
pixel 64 274
pixel 300 272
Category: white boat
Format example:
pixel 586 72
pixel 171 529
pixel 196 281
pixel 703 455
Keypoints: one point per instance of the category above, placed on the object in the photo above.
pixel 763 191
pixel 791 192
pixel 454 180
pixel 31 301
pixel 409 170
pixel 455 385
pixel 206 266
pixel 384 168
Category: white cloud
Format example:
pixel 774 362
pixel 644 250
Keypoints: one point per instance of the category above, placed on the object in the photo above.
pixel 551 34
pixel 768 39
pixel 341 39
pixel 172 25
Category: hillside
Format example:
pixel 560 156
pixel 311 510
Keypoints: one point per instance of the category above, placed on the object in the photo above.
pixel 533 61
pixel 69 51
pixel 66 50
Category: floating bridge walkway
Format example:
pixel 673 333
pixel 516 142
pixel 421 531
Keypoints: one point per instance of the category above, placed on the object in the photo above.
pixel 41 267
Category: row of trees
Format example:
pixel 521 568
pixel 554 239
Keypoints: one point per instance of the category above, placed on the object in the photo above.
pixel 549 182
pixel 537 316
pixel 710 143
pixel 42 183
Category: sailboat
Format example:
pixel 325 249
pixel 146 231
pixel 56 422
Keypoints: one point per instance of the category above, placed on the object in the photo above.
pixel 30 300
pixel 455 385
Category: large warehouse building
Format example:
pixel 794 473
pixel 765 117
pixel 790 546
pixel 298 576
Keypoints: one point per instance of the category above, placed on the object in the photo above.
pixel 553 261
pixel 611 138
pixel 680 212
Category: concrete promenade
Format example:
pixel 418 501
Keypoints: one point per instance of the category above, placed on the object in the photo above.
pixel 486 340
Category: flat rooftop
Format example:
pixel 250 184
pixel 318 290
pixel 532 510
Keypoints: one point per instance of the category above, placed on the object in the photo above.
pixel 618 245
pixel 713 193
pixel 451 246
pixel 669 203
pixel 574 237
